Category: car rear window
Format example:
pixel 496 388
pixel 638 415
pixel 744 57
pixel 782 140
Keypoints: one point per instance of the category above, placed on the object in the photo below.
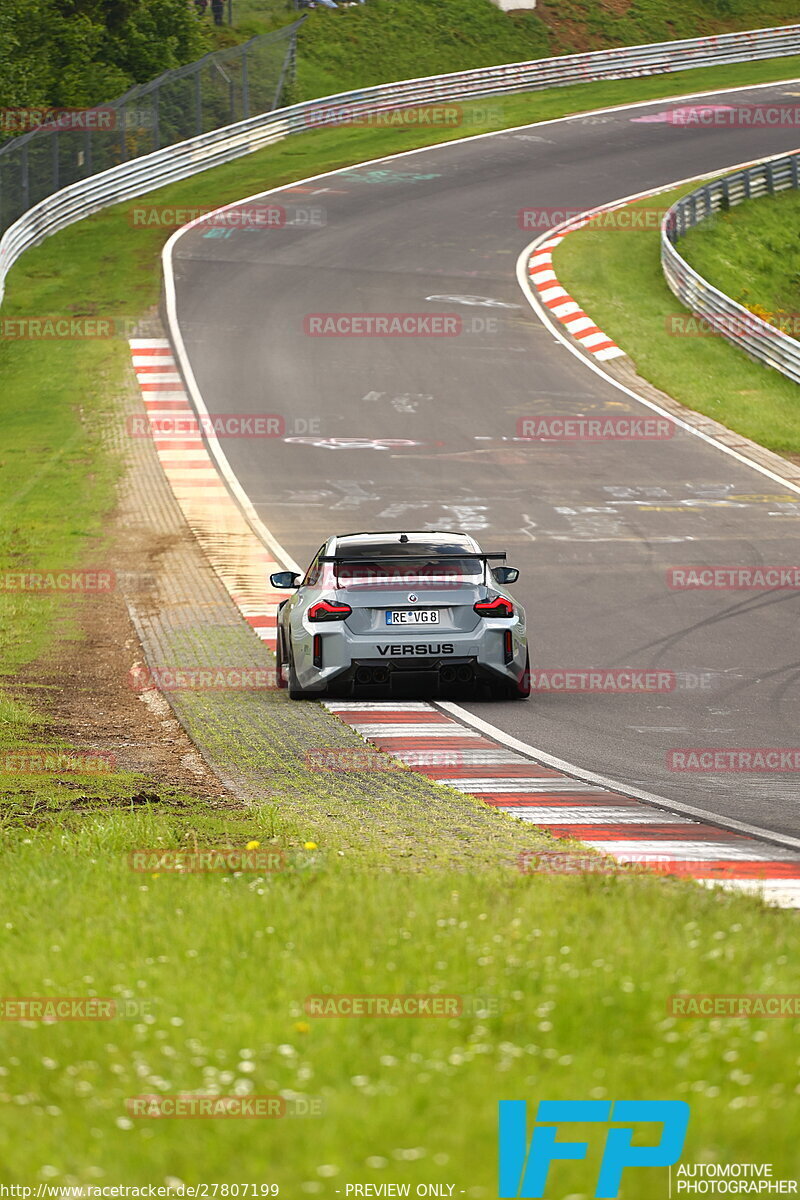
pixel 419 571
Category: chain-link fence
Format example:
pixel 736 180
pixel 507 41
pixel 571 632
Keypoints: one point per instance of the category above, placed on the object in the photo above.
pixel 221 88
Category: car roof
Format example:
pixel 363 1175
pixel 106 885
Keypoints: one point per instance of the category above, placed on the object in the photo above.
pixel 429 538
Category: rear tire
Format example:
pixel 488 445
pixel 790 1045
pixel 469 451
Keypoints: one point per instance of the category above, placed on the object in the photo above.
pixel 296 692
pixel 522 690
pixel 280 662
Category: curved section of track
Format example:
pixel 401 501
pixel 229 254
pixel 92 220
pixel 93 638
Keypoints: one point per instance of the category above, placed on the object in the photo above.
pixel 421 432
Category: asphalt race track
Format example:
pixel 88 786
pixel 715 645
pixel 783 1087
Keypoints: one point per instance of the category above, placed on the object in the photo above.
pixel 593 527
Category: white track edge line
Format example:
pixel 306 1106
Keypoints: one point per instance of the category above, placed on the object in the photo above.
pixel 283 557
pixel 559 764
pixel 553 327
pixel 215 449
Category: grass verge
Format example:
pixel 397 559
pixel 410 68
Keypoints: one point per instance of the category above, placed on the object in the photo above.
pixel 565 981
pixel 571 975
pixel 616 276
pixel 751 254
pixel 384 40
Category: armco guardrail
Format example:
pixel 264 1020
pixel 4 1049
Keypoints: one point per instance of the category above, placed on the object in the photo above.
pixel 765 342
pixel 129 179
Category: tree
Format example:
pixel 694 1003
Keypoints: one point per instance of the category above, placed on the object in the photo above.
pixel 73 53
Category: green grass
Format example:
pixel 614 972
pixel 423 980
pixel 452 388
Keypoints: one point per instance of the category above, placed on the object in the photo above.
pixel 384 40
pixel 616 276
pixel 579 969
pixel 572 978
pixel 59 398
pixel 752 253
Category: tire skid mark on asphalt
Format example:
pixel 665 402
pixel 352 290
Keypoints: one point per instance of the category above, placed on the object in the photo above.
pixel 615 825
pixel 425 738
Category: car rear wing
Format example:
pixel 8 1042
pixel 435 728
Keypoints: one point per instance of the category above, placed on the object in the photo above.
pixel 377 558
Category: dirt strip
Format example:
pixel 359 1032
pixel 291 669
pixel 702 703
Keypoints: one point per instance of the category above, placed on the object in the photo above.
pixel 263 747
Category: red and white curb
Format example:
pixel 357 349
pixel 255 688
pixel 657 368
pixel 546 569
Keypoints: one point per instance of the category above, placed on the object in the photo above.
pixel 239 559
pixel 421 735
pixel 618 826
pixel 561 305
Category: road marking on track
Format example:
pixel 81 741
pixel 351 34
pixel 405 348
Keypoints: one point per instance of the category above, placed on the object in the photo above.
pixel 764 869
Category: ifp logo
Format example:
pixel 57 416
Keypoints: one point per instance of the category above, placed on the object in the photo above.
pixel 524 1169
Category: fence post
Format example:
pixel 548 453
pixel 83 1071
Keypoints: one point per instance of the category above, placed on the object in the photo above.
pixel 287 70
pixel 26 182
pixel 245 86
pixel 156 119
pixel 198 104
pixel 56 163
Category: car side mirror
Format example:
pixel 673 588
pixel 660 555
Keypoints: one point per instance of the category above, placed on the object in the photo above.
pixel 284 580
pixel 506 574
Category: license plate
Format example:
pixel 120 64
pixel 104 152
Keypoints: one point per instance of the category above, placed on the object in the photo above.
pixel 417 616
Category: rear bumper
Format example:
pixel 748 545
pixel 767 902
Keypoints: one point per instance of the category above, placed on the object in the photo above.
pixel 336 661
pixel 433 676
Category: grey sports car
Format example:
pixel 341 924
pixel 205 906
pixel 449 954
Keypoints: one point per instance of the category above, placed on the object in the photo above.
pixel 402 614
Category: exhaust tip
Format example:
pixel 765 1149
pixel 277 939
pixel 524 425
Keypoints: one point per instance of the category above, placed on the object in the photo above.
pixel 448 674
pixel 464 674
pixel 364 675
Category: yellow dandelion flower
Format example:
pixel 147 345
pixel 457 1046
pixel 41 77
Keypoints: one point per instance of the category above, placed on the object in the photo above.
pixel 252 845
pixel 302 1026
pixel 309 845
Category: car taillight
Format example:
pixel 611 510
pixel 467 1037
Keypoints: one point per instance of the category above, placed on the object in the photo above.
pixel 494 608
pixel 316 649
pixel 508 646
pixel 329 610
